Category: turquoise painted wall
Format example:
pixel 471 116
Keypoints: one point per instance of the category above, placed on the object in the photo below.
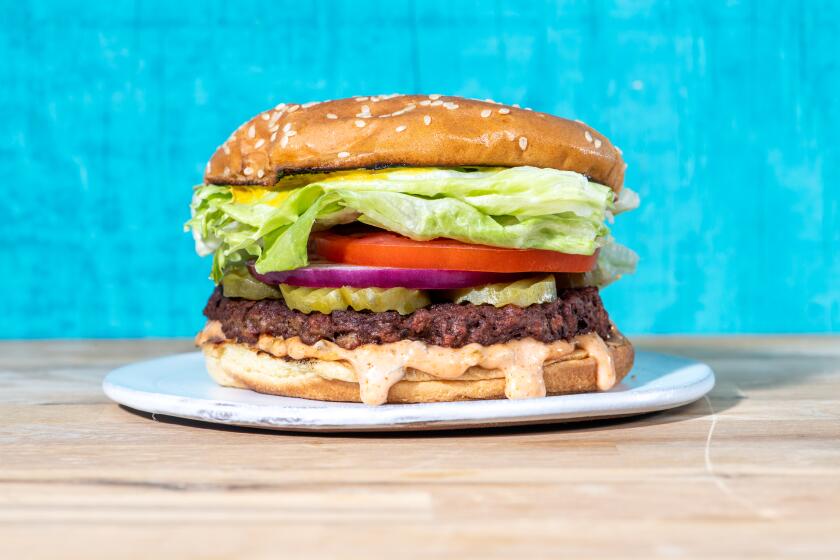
pixel 728 114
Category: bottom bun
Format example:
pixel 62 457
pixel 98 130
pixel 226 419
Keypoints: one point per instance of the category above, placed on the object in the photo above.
pixel 239 365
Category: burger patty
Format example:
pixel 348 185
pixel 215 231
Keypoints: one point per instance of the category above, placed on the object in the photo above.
pixel 576 311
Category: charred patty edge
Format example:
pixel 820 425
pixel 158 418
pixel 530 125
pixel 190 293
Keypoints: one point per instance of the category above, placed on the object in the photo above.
pixel 576 311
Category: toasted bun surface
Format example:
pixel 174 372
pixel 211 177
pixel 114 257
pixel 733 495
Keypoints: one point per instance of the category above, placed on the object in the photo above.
pixel 408 130
pixel 239 365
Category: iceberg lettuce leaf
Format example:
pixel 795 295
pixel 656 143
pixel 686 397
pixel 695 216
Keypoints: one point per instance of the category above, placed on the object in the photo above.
pixel 519 207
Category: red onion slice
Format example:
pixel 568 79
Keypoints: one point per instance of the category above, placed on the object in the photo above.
pixel 329 275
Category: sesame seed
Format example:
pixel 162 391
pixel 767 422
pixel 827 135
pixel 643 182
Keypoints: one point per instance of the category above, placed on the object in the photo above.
pixel 515 105
pixel 332 116
pixel 425 103
pixel 451 106
pixel 360 99
pixel 436 103
pixel 597 143
pixel 260 173
pixel 510 135
pixel 247 171
pixel 279 107
pixel 365 109
pixel 291 133
pixel 588 136
pixel 274 128
pixel 486 113
pixel 401 128
pixel 523 143
pixel 309 104
pixel 259 144
pixel 293 108
pixel 427 120
pixel 434 96
pixel 617 149
pixel 343 154
pixel 265 116
pixel 504 111
pixel 226 148
pixel 207 169
pixel 252 131
pixel 284 141
pixel 528 109
pixel 405 109
pixel 287 127
pixel 360 123
pixel 273 136
pixel 226 171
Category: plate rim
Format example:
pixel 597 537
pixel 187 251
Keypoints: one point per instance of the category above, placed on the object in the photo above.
pixel 492 413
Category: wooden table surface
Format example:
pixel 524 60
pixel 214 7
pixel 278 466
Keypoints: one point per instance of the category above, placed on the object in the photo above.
pixel 751 471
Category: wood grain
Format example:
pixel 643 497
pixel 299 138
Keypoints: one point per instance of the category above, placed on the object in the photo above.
pixel 752 471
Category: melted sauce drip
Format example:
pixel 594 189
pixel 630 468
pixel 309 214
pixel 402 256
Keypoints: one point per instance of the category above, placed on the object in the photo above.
pixel 597 349
pixel 379 366
pixel 211 333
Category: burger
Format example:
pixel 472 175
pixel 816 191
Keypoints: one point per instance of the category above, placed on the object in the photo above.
pixel 410 249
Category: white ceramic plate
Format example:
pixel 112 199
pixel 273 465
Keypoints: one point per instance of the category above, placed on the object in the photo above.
pixel 180 386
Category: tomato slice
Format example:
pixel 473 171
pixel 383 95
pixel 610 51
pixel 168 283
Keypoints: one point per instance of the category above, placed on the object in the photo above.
pixel 391 250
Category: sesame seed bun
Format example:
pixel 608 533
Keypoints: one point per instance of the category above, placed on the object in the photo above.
pixel 240 365
pixel 408 130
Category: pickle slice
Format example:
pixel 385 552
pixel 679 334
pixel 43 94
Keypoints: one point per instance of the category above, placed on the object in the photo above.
pixel 307 300
pixel 402 300
pixel 327 300
pixel 522 293
pixel 573 280
pixel 239 283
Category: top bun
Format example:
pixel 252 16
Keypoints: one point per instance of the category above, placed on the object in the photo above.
pixel 408 130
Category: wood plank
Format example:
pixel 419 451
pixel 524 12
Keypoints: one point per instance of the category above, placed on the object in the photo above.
pixel 752 471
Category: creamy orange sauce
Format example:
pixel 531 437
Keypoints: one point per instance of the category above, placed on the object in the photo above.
pixel 378 367
pixel 212 332
pixel 597 349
